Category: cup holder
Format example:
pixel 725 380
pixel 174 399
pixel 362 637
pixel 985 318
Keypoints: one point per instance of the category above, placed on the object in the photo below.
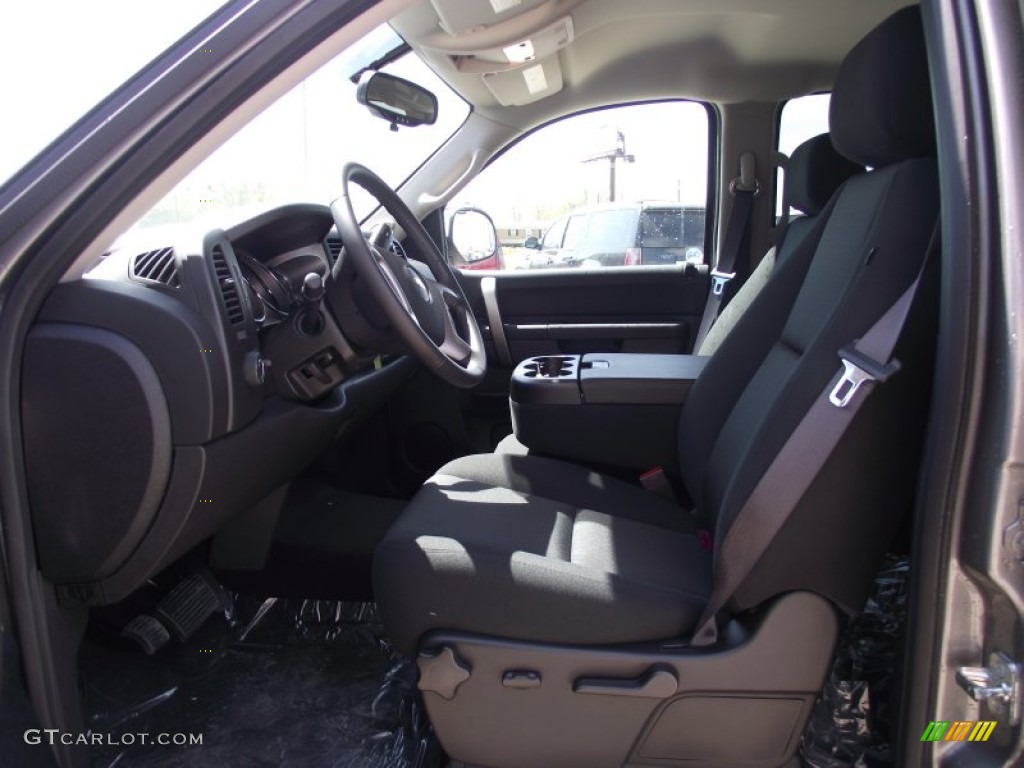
pixel 552 367
pixel 546 380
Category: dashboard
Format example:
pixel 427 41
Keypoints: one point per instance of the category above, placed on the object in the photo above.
pixel 176 385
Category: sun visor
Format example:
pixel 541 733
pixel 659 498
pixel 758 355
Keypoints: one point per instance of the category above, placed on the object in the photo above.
pixel 526 84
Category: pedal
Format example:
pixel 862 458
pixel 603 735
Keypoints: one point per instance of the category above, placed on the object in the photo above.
pixel 188 605
pixel 148 632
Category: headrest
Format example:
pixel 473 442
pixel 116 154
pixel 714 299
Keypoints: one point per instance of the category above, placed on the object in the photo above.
pixel 814 172
pixel 881 108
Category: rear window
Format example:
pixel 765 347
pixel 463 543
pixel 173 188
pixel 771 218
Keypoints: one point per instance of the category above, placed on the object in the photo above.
pixel 800 119
pixel 671 236
pixel 661 229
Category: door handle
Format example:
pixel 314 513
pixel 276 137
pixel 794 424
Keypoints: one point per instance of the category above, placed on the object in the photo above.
pixel 656 683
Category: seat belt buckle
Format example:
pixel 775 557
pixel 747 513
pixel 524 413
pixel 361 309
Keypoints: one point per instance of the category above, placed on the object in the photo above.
pixel 654 480
pixel 719 281
pixel 857 369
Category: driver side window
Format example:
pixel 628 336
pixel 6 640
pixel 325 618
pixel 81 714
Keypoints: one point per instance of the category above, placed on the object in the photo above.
pixel 612 170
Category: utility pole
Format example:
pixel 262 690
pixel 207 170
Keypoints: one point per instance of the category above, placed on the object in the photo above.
pixel 612 155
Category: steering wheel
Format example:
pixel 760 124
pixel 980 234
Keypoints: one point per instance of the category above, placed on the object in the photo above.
pixel 423 301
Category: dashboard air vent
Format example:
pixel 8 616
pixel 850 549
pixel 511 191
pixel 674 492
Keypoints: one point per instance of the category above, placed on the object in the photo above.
pixel 159 267
pixel 333 247
pixel 228 287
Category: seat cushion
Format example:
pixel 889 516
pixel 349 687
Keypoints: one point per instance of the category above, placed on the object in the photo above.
pixel 538 549
pixel 510 446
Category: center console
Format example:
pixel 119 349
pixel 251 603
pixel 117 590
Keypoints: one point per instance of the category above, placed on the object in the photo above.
pixel 616 409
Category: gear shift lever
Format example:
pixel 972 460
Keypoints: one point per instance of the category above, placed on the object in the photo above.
pixel 311 321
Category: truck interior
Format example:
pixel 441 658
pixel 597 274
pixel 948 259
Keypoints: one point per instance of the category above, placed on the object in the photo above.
pixel 296 482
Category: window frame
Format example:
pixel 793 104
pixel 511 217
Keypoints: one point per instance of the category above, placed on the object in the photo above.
pixel 779 171
pixel 713 160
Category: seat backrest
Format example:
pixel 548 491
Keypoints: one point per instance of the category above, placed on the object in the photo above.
pixel 814 172
pixel 863 251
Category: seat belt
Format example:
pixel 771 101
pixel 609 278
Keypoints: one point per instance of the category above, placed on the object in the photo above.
pixel 744 188
pixel 803 455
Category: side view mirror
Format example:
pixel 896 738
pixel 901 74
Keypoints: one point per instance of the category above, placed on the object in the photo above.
pixel 398 101
pixel 473 240
pixel 532 243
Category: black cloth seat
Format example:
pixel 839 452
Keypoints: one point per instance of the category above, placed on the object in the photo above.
pixel 572 555
pixel 537 549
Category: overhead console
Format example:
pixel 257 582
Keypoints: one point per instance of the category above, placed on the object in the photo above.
pixel 512 45
pixel 614 409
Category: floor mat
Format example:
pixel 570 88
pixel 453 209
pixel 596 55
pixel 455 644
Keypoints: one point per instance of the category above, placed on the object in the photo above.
pixel 277 683
pixel 851 722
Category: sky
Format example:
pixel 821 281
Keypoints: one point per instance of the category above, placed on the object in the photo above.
pixel 535 180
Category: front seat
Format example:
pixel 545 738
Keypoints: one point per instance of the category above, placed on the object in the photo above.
pixel 550 605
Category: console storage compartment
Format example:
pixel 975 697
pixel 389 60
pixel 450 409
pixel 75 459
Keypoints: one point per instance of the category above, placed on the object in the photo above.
pixel 615 409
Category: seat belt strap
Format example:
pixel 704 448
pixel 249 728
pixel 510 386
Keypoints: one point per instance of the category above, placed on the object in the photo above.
pixel 777 493
pixel 735 235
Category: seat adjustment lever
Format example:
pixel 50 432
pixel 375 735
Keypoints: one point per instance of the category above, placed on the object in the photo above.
pixel 657 683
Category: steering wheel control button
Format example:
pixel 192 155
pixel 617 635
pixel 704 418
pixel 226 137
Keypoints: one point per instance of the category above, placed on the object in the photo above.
pixel 521 679
pixel 418 283
pixel 441 672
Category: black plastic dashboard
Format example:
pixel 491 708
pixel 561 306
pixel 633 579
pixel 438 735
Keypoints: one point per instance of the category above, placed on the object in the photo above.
pixel 175 386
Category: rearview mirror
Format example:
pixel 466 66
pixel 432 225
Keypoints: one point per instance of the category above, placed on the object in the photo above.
pixel 532 243
pixel 398 101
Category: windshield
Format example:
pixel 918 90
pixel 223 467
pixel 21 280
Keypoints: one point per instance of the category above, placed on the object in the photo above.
pixel 293 152
pixel 60 58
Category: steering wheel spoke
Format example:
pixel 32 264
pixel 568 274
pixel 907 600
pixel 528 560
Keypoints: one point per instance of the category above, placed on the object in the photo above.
pixel 453 299
pixel 396 287
pixel 454 346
